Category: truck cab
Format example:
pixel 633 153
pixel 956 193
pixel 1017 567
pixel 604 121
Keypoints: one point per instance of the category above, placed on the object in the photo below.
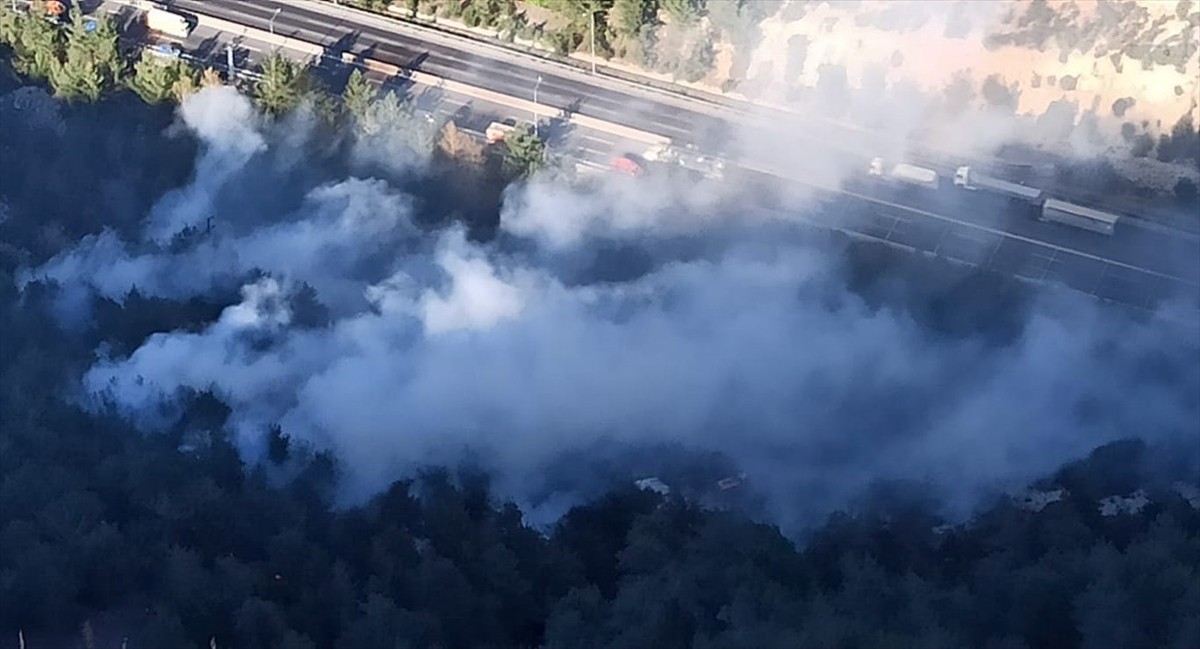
pixel 962 177
pixel 627 165
pixel 497 131
pixel 876 167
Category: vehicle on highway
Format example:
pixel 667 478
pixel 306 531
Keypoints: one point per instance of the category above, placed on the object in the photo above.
pixel 904 173
pixel 688 157
pixel 168 22
pixel 627 165
pixel 660 153
pixel 1049 209
pixel 497 131
pixel 968 178
pixel 1078 216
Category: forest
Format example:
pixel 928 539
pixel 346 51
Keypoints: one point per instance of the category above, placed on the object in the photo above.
pixel 112 537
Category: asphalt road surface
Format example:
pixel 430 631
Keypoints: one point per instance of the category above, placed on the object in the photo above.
pixel 492 67
pixel 1136 266
pixel 447 61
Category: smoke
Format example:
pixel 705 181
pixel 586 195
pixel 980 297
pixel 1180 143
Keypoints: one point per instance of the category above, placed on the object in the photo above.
pixel 1003 72
pixel 559 217
pixel 224 121
pixel 729 337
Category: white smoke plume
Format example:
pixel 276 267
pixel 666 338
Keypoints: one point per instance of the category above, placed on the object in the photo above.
pixel 971 75
pixel 225 123
pixel 440 348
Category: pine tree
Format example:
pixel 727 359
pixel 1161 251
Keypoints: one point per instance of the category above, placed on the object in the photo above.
pixel 38 45
pixel 633 14
pixel 92 61
pixel 282 86
pixel 10 24
pixel 525 152
pixel 385 112
pixel 683 11
pixel 184 85
pixel 357 96
pixel 153 80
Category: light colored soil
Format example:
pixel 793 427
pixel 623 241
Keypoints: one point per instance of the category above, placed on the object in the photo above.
pixel 930 60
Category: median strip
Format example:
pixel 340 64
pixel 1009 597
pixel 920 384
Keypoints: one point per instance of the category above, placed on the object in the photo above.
pixel 427 79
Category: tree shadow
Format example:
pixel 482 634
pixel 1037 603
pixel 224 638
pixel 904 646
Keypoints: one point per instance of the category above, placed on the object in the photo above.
pixel 415 63
pixel 207 48
pixel 332 66
pixel 556 131
pixel 429 99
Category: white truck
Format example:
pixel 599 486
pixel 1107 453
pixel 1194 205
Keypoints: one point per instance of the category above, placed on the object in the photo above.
pixel 904 173
pixel 168 22
pixel 968 178
pixel 497 131
pixel 1078 216
pixel 687 157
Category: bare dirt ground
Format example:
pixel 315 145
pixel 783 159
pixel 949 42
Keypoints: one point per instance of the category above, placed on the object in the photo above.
pixel 1056 68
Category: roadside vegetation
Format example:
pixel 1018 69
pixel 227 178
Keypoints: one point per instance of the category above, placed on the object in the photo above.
pixel 109 534
pixel 674 37
pixel 78 61
pixel 713 41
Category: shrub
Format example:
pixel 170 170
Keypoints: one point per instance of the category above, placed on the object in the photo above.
pixel 1185 190
pixel 1143 144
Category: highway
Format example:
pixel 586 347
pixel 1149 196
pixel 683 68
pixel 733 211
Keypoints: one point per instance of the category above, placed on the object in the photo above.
pixel 1136 266
pixel 496 68
pixel 206 47
pixel 515 76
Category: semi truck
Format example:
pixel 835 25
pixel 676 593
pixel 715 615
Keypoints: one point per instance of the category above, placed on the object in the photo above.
pixel 1077 216
pixel 168 22
pixel 968 178
pixel 904 173
pixel 687 157
pixel 1048 209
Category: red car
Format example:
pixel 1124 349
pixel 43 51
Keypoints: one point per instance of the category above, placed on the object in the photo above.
pixel 627 165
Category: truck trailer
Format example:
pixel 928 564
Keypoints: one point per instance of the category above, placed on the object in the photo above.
pixel 904 173
pixel 968 178
pixel 497 131
pixel 1078 216
pixel 687 157
pixel 168 22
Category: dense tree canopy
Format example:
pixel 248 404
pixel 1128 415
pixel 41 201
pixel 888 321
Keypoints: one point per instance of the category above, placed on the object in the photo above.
pixel 173 540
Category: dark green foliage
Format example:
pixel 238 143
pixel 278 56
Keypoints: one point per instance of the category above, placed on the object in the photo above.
pixel 997 94
pixel 357 96
pixel 1183 143
pixel 631 15
pixel 278 445
pixel 177 540
pixel 284 84
pixel 683 11
pixel 1185 190
pixel 372 5
pixel 524 152
pixel 1143 145
pixel 78 63
pixel 1121 105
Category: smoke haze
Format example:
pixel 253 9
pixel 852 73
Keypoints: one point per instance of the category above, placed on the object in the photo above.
pixel 712 331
